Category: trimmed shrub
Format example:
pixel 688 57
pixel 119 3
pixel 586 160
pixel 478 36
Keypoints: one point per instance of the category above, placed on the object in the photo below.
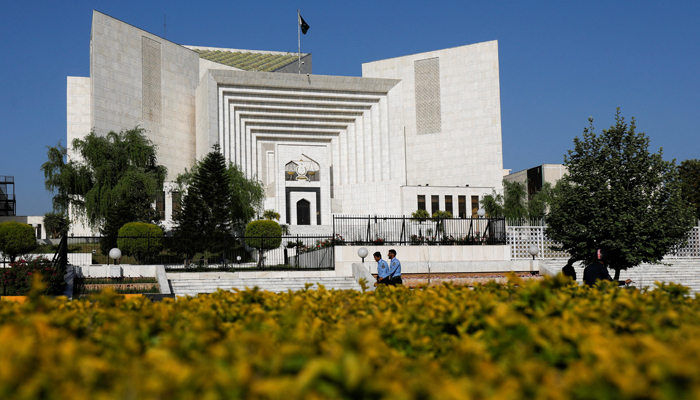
pixel 17 280
pixel 527 339
pixel 263 235
pixel 16 239
pixel 140 240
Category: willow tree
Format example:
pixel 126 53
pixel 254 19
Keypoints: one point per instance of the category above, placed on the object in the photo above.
pixel 619 196
pixel 118 171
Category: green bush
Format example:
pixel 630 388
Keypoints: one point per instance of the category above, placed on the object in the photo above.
pixel 420 215
pixel 263 235
pixel 140 240
pixel 16 239
pixel 17 280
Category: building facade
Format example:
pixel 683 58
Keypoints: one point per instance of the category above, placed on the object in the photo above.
pixel 424 126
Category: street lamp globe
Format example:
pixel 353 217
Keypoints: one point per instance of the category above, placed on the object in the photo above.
pixel 362 252
pixel 533 250
pixel 481 213
pixel 115 253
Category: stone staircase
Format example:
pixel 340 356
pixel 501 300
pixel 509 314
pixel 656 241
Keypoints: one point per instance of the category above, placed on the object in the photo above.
pixel 683 271
pixel 193 287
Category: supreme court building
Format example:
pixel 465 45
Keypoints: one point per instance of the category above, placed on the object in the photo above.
pixel 419 131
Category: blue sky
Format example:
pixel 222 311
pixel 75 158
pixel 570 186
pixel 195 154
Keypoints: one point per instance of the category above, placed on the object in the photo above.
pixel 560 62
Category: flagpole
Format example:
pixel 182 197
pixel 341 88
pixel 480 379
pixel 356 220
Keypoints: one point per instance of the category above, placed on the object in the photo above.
pixel 299 35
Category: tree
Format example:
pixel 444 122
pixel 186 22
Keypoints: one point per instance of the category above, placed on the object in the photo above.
pixel 16 239
pixel 620 197
pixel 221 189
pixel 420 215
pixel 514 204
pixel 117 170
pixel 140 240
pixel 263 235
pixel 56 224
pixel 211 188
pixel 271 214
pixel 538 204
pixel 690 177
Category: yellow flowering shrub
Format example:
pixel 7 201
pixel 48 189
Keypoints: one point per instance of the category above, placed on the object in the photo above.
pixel 546 339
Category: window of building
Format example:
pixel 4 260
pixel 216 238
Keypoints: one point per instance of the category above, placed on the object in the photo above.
pixel 434 204
pixel 475 206
pixel 177 201
pixel 448 204
pixel 160 205
pixel 421 202
pixel 462 204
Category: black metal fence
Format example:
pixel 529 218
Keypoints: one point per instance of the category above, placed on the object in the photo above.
pixel 223 253
pixel 379 230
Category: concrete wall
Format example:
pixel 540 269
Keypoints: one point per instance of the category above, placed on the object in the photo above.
pixel 467 147
pixel 497 256
pixel 141 79
pixel 78 111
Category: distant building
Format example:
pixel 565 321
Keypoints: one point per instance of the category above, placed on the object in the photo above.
pixel 535 177
pixel 422 130
pixel 8 208
pixel 8 202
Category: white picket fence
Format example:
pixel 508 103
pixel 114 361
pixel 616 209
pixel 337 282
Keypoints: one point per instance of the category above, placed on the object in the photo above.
pixel 520 238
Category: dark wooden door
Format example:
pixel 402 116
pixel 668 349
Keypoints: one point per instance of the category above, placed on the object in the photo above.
pixel 303 212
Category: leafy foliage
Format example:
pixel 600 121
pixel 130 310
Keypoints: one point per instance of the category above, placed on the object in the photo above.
pixel 263 235
pixel 16 239
pixel 56 224
pixel 620 197
pixel 117 170
pixel 547 339
pixel 514 204
pixel 271 214
pixel 441 214
pixel 140 240
pixel 244 199
pixel 690 177
pixel 420 215
pixel 17 280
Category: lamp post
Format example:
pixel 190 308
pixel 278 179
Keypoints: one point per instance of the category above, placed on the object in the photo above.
pixel 533 250
pixel 115 254
pixel 481 213
pixel 362 252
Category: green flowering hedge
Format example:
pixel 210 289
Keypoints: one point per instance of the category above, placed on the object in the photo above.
pixel 545 339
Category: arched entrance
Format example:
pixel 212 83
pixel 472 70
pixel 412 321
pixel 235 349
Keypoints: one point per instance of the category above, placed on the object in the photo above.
pixel 303 212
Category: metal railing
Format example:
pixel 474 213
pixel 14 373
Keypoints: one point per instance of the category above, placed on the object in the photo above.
pixel 222 253
pixel 405 230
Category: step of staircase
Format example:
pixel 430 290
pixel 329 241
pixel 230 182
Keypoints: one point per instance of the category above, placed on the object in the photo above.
pixel 683 271
pixel 193 287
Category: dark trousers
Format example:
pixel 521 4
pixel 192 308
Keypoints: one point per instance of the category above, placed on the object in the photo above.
pixel 385 281
pixel 396 280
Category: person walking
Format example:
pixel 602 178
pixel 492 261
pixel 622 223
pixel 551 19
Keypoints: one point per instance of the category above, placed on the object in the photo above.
pixel 395 268
pixel 383 277
pixel 569 270
pixel 597 270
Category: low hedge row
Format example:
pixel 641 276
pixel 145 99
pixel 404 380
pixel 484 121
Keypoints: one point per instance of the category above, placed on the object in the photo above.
pixel 545 339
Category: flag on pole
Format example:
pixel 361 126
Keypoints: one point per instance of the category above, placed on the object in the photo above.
pixel 304 26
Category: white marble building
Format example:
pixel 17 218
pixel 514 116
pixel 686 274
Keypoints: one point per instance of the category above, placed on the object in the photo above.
pixel 417 131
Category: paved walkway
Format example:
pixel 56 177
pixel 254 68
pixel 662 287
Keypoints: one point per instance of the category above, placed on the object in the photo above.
pixel 192 287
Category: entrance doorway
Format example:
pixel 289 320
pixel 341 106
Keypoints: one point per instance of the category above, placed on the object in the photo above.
pixel 303 212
